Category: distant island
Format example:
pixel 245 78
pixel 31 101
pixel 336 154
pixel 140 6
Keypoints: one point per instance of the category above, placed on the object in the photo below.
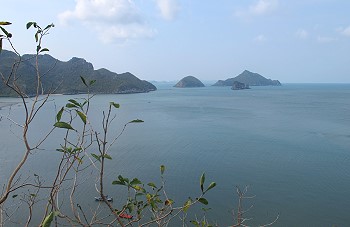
pixel 249 79
pixel 64 77
pixel 189 81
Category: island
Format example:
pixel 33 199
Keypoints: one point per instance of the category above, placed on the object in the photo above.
pixel 250 79
pixel 189 81
pixel 60 77
pixel 239 86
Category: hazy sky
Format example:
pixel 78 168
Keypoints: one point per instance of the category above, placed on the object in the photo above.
pixel 288 40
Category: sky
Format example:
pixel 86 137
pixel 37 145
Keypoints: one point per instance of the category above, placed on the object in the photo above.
pixel 294 41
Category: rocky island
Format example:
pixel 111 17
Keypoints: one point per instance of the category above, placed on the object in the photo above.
pixel 189 81
pixel 64 77
pixel 239 86
pixel 250 79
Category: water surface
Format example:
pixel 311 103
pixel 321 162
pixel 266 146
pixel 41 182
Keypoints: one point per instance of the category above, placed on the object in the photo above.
pixel 289 143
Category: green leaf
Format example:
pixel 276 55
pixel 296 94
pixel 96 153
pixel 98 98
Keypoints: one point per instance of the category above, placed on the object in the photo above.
pixel 116 105
pixel 4 31
pixel 139 194
pixel 187 205
pixel 168 202
pixel 126 180
pixel 44 49
pixel 29 24
pixel 38 47
pixel 63 125
pixel 121 178
pixel 36 36
pixel 83 80
pixel 136 121
pixel 49 26
pixel 14 196
pixel 162 169
pixel 77 149
pixel 135 181
pixel 130 207
pixel 84 103
pixel 80 160
pixel 74 102
pixel 211 185
pixel 70 105
pixel 5 23
pixel 202 200
pixel 92 82
pixel 202 180
pixel 137 187
pixel 118 182
pixel 82 116
pixel 107 156
pixel 97 157
pixel 195 223
pixel 59 114
pixel 48 219
pixel 152 185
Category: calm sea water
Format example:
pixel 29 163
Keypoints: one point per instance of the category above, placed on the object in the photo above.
pixel 290 144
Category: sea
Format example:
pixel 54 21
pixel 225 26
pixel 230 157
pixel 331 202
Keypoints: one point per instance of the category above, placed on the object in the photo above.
pixel 289 146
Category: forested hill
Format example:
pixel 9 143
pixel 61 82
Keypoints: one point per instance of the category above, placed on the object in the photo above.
pixel 64 77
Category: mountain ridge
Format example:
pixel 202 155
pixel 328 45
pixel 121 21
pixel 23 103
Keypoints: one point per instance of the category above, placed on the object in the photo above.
pixel 61 77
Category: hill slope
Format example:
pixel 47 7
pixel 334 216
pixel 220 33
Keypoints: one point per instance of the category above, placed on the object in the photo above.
pixel 64 77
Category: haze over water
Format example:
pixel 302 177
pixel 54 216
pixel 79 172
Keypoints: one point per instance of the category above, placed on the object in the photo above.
pixel 289 143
